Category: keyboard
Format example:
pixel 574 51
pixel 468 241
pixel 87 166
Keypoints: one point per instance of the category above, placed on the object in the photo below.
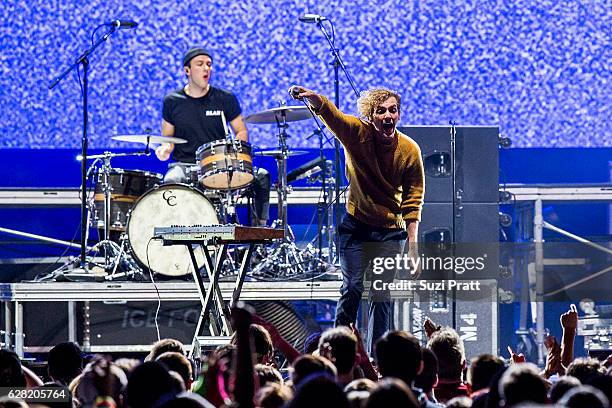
pixel 229 233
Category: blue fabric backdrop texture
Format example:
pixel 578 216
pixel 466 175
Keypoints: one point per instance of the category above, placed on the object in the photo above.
pixel 537 68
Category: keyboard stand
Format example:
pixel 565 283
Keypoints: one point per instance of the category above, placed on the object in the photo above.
pixel 215 311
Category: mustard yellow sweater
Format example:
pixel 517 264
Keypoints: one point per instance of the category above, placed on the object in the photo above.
pixel 387 182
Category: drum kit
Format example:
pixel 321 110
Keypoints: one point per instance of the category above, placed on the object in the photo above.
pixel 128 204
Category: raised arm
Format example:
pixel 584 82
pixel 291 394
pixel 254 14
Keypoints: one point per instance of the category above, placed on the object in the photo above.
pixel 244 385
pixel 239 128
pixel 290 352
pixel 164 151
pixel 569 323
pixel 344 127
pixel 314 99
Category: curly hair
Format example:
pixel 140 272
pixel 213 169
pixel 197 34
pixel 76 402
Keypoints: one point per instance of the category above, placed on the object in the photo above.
pixel 369 100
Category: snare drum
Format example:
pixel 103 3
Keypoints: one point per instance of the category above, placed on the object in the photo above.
pixel 126 186
pixel 225 164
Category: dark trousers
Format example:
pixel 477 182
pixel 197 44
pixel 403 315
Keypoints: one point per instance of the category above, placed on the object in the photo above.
pixel 359 245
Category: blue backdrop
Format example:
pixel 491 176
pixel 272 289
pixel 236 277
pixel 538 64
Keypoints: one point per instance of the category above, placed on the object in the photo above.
pixel 537 68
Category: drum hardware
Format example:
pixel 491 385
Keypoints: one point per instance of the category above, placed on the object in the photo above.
pixel 115 254
pixel 148 139
pixel 109 213
pixel 308 169
pixel 285 260
pixel 166 205
pixel 227 208
pixel 225 164
pixel 284 113
pixel 326 213
pixel 279 153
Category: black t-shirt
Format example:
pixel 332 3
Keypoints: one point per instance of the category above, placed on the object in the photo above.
pixel 198 120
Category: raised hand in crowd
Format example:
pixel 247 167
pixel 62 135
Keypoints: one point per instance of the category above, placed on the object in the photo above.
pixel 430 327
pixel 569 319
pixel 553 358
pixel 569 323
pixel 362 355
pixel 516 358
pixel 290 352
pixel 244 384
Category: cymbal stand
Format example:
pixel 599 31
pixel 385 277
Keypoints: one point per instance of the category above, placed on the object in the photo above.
pixel 228 207
pixel 328 230
pixel 114 254
pixel 285 260
pixel 282 188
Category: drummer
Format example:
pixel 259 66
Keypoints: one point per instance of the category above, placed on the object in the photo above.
pixel 196 112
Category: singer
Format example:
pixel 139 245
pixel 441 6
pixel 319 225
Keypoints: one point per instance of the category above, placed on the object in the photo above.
pixel 386 177
pixel 194 113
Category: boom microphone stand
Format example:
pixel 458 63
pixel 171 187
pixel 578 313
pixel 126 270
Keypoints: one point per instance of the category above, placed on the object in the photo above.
pixel 337 64
pixel 83 60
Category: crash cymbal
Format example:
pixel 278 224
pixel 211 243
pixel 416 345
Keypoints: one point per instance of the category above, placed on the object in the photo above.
pixel 149 139
pixel 282 114
pixel 279 153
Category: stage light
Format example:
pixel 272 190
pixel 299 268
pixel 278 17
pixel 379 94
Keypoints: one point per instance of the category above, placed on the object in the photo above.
pixel 504 142
pixel 504 196
pixel 505 220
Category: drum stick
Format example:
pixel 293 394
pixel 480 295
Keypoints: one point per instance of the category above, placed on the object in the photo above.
pixel 224 124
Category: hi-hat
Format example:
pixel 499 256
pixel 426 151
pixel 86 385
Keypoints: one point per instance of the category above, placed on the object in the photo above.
pixel 280 114
pixel 279 153
pixel 146 139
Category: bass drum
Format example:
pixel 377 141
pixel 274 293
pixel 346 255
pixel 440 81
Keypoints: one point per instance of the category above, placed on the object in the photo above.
pixel 164 206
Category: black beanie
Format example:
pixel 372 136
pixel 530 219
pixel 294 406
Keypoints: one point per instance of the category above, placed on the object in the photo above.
pixel 194 52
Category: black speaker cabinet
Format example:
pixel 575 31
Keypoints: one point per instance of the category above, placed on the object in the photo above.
pixel 475 317
pixel 476 239
pixel 477 162
pixel 474 222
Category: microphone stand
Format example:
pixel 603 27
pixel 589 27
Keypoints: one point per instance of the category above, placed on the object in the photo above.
pixel 83 60
pixel 457 209
pixel 338 64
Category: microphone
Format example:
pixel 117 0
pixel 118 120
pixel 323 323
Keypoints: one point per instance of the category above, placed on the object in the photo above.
pixel 311 18
pixel 295 92
pixel 122 24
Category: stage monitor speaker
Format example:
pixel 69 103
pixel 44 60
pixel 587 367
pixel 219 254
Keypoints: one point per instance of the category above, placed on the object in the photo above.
pixel 477 162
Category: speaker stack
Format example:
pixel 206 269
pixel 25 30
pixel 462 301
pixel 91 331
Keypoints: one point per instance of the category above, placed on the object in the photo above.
pixel 460 215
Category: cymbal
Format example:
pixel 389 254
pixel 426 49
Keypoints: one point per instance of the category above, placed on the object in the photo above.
pixel 279 153
pixel 291 114
pixel 149 139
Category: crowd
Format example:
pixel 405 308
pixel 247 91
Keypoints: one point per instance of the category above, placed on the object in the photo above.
pixel 334 370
